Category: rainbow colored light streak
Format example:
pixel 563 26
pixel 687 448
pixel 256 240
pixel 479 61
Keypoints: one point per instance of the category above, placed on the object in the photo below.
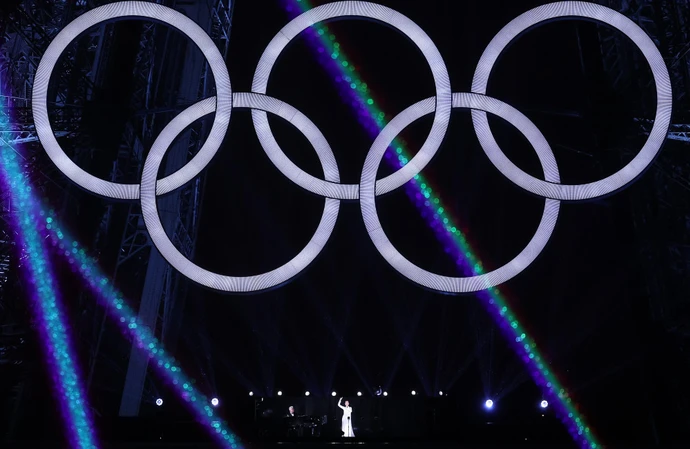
pixel 37 223
pixel 357 93
pixel 45 301
pixel 115 304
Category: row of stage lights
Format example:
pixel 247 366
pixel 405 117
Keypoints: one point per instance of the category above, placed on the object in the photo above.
pixel 359 393
pixel 214 402
pixel 488 404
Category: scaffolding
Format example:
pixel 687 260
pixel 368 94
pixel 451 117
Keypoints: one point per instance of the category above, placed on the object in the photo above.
pixel 661 208
pixel 27 28
pixel 162 88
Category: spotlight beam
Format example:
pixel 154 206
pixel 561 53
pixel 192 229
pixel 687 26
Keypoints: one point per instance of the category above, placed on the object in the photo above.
pixel 116 307
pixel 45 301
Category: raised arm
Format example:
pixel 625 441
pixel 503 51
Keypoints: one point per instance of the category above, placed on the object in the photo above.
pixel 339 405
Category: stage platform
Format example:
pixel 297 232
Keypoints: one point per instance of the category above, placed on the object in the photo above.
pixel 338 445
pixel 317 445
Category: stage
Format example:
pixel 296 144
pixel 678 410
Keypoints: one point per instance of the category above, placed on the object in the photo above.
pixel 343 445
pixel 318 445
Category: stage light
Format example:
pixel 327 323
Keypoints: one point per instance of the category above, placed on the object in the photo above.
pixel 440 393
pixel 251 393
pixel 214 402
pixel 414 393
pixel 159 402
pixel 280 393
pixel 544 404
pixel 306 393
pixel 333 394
pixel 359 393
pixel 489 404
pixel 385 393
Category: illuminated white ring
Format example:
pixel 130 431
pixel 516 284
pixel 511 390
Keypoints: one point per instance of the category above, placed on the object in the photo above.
pixel 397 21
pixel 657 135
pixel 121 10
pixel 446 283
pixel 176 258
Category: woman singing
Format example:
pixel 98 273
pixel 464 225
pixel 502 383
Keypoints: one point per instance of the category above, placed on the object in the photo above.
pixel 346 424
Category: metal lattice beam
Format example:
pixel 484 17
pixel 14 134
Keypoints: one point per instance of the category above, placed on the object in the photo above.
pixel 27 29
pixel 163 288
pixel 661 209
pixel 677 131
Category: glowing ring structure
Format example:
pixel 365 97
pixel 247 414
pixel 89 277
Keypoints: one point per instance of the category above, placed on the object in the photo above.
pixel 441 105
pixel 134 10
pixel 664 100
pixel 436 281
pixel 358 10
pixel 176 258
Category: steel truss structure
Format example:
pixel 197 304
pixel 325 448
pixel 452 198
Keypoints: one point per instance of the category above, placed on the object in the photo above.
pixel 157 97
pixel 661 209
pixel 27 29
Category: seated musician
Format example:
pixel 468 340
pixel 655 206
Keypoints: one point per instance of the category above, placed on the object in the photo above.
pixel 294 427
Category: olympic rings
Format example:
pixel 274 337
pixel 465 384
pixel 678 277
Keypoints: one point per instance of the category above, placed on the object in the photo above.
pixel 330 188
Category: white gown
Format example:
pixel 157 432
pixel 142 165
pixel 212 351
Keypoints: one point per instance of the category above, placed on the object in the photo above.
pixel 346 424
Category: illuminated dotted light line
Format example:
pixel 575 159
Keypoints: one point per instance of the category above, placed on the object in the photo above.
pixel 35 221
pixel 357 93
pixel 115 304
pixel 53 328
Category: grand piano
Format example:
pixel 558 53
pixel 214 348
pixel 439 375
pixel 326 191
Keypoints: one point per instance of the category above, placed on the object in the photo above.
pixel 299 426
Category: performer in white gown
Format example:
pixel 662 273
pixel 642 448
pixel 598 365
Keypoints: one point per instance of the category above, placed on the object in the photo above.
pixel 346 424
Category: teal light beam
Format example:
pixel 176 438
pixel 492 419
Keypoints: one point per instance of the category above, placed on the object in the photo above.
pixel 117 308
pixel 53 329
pixel 36 223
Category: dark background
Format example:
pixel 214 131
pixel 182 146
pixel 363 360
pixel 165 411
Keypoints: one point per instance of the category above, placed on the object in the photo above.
pixel 350 322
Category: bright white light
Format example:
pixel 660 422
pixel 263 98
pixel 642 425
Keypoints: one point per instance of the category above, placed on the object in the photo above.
pixel 369 187
pixel 544 404
pixel 489 404
pixel 440 393
pixel 159 402
pixel 333 394
pixel 280 393
pixel 306 393
pixel 214 402
pixel 251 393
pixel 414 393
pixel 359 393
pixel 385 393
